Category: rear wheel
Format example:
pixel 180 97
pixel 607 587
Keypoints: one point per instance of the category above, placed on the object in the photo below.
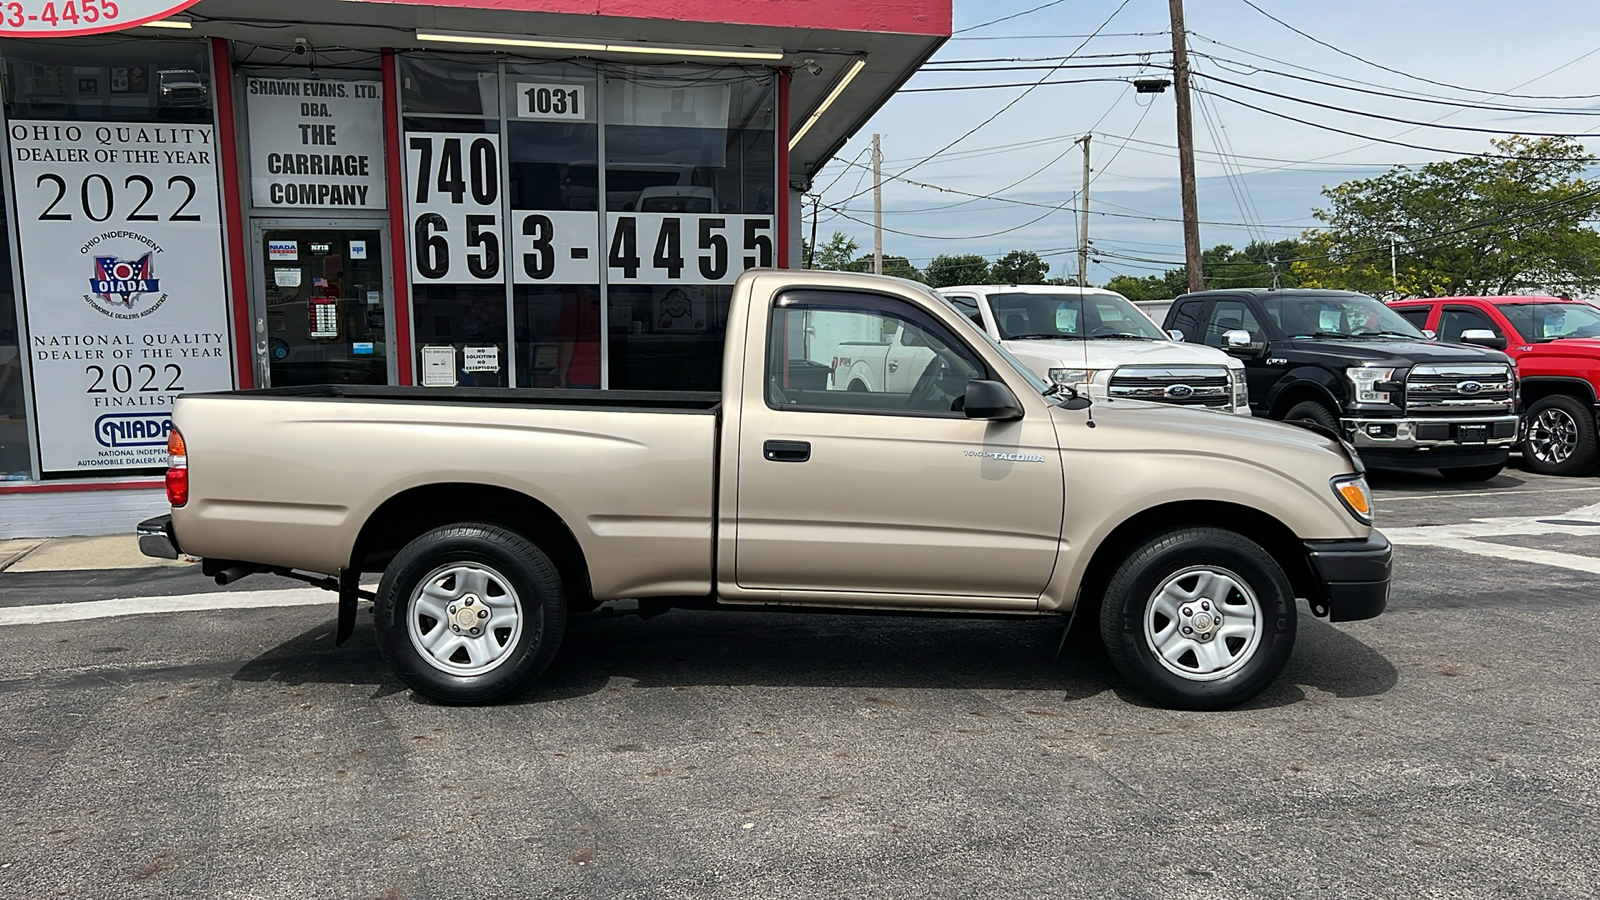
pixel 1199 618
pixel 470 613
pixel 1312 411
pixel 1472 473
pixel 1561 437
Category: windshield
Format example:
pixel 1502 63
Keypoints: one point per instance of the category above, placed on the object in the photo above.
pixel 1044 316
pixel 1542 322
pixel 1339 315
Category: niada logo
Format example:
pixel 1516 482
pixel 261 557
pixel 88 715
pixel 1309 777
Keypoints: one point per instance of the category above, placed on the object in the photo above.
pixel 120 430
pixel 123 283
pixel 123 280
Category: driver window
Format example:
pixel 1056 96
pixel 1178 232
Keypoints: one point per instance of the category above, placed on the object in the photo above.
pixel 1456 320
pixel 873 355
pixel 1230 315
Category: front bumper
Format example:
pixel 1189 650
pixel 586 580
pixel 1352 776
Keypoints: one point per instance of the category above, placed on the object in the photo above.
pixel 157 539
pixel 1354 576
pixel 1465 433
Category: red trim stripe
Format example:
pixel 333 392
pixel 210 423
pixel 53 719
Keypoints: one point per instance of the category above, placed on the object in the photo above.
pixel 72 487
pixel 782 134
pixel 400 269
pixel 228 147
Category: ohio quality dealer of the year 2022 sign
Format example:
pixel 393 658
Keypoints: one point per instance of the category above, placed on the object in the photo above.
pixel 65 18
pixel 123 283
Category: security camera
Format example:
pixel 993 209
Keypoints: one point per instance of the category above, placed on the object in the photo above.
pixel 811 66
pixel 301 45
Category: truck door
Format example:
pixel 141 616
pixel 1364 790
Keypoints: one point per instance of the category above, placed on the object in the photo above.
pixel 890 492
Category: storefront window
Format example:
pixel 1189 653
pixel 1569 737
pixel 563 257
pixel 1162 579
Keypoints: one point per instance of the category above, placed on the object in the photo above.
pixel 633 199
pixel 690 177
pixel 147 81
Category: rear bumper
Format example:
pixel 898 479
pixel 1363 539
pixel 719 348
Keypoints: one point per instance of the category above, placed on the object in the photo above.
pixel 157 539
pixel 1354 576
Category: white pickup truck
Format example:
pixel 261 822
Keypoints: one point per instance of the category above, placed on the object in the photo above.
pixel 1099 343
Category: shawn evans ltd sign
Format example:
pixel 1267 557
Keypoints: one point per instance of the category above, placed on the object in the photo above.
pixel 316 143
pixel 66 18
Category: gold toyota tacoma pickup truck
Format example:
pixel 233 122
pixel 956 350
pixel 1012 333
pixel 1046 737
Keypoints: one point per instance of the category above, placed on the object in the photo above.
pixel 976 487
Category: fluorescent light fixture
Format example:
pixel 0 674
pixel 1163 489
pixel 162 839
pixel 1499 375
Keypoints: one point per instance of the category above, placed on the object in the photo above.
pixel 849 76
pixel 170 23
pixel 582 46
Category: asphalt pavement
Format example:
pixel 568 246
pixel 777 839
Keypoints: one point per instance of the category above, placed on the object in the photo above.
pixel 1450 748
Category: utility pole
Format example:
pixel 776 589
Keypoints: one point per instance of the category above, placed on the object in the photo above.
pixel 1394 268
pixel 1191 209
pixel 877 206
pixel 1083 229
pixel 816 212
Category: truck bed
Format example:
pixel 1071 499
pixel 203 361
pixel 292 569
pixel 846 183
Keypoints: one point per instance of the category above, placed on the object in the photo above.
pixel 670 401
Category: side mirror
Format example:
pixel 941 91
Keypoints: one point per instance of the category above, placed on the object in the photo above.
pixel 1238 343
pixel 1483 337
pixel 1176 335
pixel 991 400
pixel 1430 334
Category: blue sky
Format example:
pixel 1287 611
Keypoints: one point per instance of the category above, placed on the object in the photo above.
pixel 1532 48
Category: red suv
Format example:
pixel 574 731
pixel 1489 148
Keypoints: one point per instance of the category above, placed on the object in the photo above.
pixel 1555 343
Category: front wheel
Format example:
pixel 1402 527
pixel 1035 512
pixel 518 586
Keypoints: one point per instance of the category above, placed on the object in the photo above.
pixel 1199 618
pixel 1561 437
pixel 470 613
pixel 1314 412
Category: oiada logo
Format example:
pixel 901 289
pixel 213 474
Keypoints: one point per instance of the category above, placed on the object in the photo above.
pixel 124 281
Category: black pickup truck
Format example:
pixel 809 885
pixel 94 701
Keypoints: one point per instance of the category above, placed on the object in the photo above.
pixel 1347 362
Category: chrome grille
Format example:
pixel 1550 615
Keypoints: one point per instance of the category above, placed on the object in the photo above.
pixel 1207 386
pixel 1475 389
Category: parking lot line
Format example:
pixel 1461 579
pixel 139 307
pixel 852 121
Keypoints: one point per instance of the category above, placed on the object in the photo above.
pixel 1448 496
pixel 106 609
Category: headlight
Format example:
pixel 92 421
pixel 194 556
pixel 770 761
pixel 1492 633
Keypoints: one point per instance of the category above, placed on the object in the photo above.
pixel 1355 495
pixel 1073 377
pixel 1241 389
pixel 1364 384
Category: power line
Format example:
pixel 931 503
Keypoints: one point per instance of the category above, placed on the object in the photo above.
pixel 1457 87
pixel 1026 12
pixel 986 87
pixel 1058 37
pixel 1014 101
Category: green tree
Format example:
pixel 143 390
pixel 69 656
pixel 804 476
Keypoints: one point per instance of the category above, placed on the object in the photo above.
pixel 837 255
pixel 898 266
pixel 1019 267
pixel 948 271
pixel 1496 224
pixel 1150 287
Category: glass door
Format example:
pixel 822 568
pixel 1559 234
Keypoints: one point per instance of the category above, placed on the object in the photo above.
pixel 324 306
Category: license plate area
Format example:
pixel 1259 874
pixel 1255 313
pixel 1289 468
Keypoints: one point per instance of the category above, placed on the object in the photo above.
pixel 1472 434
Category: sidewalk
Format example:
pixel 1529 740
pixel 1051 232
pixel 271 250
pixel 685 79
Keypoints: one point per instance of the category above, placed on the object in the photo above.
pixel 78 554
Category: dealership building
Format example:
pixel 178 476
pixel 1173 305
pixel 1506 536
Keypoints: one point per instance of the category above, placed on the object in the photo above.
pixel 236 194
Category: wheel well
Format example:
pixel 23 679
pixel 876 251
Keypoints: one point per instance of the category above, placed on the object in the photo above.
pixel 1301 393
pixel 858 385
pixel 1274 536
pixel 411 513
pixel 1536 389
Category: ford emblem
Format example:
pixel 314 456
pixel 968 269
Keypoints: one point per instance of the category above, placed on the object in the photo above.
pixel 1178 391
pixel 1469 387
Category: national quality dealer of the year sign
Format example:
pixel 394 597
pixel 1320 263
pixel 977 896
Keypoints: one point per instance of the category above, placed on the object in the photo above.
pixel 123 283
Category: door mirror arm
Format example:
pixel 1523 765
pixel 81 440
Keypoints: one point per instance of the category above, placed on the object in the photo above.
pixel 1239 343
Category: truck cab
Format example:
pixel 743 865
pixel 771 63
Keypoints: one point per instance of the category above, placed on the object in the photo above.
pixel 1099 344
pixel 1555 343
pixel 1347 362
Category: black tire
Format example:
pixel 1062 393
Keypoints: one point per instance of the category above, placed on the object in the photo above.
pixel 1561 437
pixel 1312 411
pixel 1135 593
pixel 1472 473
pixel 514 655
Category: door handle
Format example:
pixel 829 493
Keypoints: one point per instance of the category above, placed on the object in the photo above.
pixel 787 451
pixel 894 365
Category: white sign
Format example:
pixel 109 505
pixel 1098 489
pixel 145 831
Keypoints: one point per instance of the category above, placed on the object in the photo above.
pixel 63 18
pixel 552 101
pixel 556 247
pixel 358 249
pixel 453 205
pixel 286 278
pixel 124 283
pixel 283 251
pixel 659 248
pixel 316 143
pixel 438 367
pixel 480 359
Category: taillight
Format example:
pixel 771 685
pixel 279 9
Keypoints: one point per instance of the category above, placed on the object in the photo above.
pixel 177 469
